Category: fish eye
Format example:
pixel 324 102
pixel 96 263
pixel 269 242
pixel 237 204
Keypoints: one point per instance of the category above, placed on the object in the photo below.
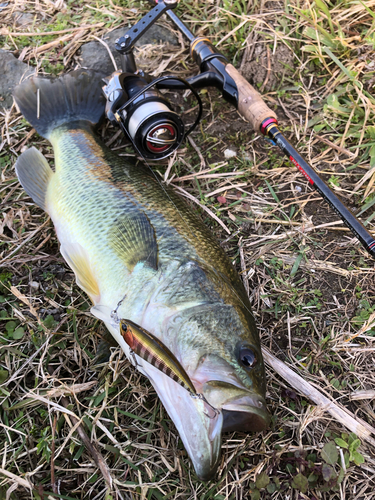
pixel 247 357
pixel 124 327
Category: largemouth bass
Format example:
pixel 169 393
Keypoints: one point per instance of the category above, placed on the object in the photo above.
pixel 127 237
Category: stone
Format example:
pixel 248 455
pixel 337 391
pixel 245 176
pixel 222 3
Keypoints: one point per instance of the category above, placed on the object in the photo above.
pixel 34 285
pixel 229 153
pixel 12 72
pixel 95 56
pixel 23 18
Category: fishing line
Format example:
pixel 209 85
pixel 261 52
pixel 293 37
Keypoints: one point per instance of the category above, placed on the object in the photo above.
pixel 189 228
pixel 187 225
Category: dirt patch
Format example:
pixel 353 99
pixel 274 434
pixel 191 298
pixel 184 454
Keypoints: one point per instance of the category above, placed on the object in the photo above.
pixel 264 66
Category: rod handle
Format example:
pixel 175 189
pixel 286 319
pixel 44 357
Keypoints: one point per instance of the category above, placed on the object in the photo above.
pixel 250 103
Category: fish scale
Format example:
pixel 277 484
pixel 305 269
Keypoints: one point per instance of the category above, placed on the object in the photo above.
pixel 136 247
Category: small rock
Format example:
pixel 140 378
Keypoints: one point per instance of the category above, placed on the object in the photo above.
pixel 95 56
pixel 34 285
pixel 298 189
pixel 229 153
pixel 23 18
pixel 12 72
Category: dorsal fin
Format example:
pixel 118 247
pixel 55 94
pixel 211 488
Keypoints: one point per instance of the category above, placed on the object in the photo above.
pixel 132 237
pixel 34 174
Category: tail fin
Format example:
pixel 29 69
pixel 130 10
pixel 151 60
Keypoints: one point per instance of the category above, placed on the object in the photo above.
pixel 48 103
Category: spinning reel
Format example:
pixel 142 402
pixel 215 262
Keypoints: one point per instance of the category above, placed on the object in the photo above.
pixel 135 103
pixel 144 114
pixel 156 130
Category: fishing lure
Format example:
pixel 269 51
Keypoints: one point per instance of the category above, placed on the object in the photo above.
pixel 152 350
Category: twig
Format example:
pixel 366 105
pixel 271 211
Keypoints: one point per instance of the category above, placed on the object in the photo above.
pixel 368 325
pixel 19 480
pixel 53 482
pixel 31 235
pixel 97 457
pixel 14 376
pixel 334 146
pixel 108 50
pixel 225 188
pixel 191 197
pixel 51 45
pixel 5 32
pixel 362 394
pixel 243 268
pixel 203 163
pixel 201 172
pixel 342 415
pixel 228 35
pixel 268 70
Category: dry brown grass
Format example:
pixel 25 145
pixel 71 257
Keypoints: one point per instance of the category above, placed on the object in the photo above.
pixel 310 284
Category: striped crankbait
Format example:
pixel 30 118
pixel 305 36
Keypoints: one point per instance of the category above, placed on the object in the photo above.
pixel 153 351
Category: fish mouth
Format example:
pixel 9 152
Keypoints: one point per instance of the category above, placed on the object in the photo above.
pixel 243 410
pixel 245 418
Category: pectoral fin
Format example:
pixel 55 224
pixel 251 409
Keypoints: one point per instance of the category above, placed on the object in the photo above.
pixel 77 258
pixel 133 239
pixel 34 174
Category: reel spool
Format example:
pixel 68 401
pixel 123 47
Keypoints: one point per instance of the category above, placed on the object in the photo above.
pixel 155 129
pixel 145 115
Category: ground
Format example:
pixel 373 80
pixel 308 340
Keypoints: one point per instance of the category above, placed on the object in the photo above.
pixel 310 283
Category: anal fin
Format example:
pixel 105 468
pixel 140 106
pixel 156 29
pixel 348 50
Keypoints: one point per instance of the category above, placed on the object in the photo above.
pixel 34 174
pixel 132 237
pixel 78 260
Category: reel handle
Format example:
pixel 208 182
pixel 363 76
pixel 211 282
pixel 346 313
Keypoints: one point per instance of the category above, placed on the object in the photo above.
pixel 250 103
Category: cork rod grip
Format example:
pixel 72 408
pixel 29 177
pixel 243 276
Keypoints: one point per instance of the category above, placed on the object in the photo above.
pixel 250 103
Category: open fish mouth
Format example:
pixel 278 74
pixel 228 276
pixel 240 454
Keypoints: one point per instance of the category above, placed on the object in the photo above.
pixel 243 410
pixel 246 418
pixel 200 426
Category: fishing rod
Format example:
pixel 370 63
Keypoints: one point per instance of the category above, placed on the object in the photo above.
pixel 156 131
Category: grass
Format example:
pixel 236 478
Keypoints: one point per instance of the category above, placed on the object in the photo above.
pixel 311 286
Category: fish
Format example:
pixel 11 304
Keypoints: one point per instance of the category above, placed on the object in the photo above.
pixel 137 248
